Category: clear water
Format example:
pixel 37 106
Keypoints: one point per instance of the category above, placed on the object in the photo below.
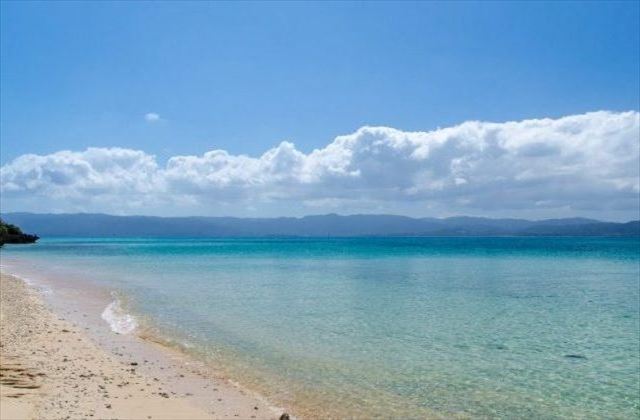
pixel 407 327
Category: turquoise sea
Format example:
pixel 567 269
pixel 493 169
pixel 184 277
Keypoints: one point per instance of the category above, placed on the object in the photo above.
pixel 390 327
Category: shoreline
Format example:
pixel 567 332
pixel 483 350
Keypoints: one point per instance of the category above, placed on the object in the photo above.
pixel 55 365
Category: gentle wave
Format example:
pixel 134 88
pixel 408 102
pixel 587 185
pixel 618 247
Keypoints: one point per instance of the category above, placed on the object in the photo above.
pixel 119 321
pixel 45 290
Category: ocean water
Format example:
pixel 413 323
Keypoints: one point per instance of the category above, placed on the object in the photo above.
pixel 404 327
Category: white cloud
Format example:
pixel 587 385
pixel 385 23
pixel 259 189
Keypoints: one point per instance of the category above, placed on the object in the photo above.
pixel 151 117
pixel 581 164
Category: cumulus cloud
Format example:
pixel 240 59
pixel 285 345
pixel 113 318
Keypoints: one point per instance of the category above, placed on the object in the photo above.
pixel 152 117
pixel 581 163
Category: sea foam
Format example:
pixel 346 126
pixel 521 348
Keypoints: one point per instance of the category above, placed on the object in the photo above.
pixel 119 321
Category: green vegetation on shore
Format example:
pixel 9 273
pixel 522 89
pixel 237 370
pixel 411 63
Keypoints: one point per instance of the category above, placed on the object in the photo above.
pixel 12 234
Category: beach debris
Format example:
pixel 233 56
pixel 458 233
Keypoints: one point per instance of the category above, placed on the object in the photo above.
pixel 285 416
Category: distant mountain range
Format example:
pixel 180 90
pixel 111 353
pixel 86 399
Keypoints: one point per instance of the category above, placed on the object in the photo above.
pixel 85 224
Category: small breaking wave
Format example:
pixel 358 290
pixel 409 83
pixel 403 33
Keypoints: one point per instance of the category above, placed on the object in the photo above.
pixel 119 321
pixel 37 286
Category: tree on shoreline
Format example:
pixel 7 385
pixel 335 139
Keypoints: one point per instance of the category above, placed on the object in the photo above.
pixel 12 234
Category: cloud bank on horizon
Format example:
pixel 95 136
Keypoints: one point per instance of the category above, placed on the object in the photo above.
pixel 584 164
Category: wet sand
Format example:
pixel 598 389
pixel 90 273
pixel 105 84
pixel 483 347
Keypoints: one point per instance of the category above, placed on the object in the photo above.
pixel 53 368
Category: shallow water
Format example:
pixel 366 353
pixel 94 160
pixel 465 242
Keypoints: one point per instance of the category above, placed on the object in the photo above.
pixel 469 327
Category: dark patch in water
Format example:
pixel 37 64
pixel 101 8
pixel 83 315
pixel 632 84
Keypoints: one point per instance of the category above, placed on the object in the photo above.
pixel 575 356
pixel 497 346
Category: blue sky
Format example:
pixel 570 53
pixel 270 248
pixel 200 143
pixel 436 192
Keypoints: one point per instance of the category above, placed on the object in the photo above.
pixel 242 77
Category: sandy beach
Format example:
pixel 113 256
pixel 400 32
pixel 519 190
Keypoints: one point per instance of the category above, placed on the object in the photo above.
pixel 51 368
